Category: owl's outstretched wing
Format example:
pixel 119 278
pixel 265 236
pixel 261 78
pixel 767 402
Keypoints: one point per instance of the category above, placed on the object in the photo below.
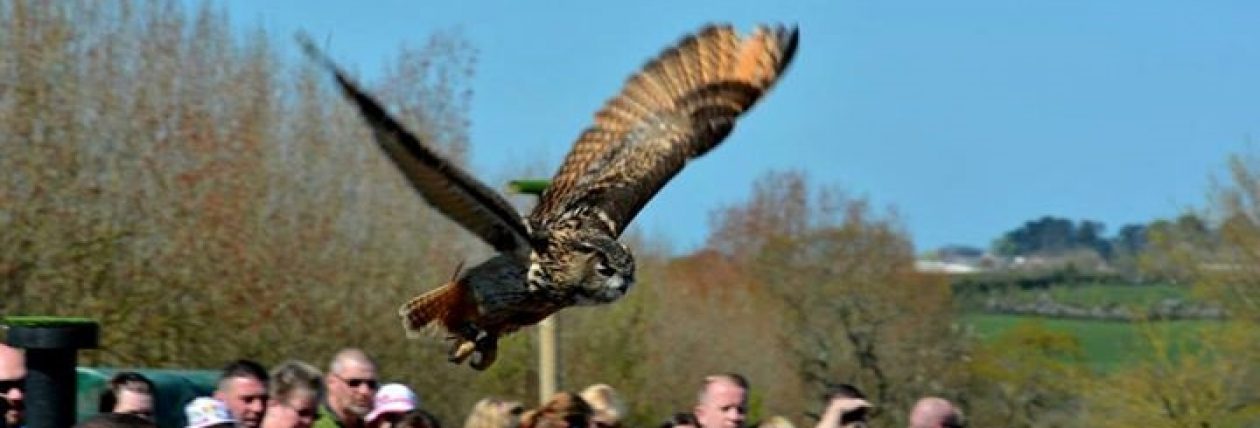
pixel 445 186
pixel 678 107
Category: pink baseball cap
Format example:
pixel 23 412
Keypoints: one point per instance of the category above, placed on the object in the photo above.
pixel 393 398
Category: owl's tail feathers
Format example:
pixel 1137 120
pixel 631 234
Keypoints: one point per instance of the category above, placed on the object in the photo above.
pixel 435 312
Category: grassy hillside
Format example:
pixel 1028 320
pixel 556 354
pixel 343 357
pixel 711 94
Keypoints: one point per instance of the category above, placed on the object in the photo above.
pixel 1107 345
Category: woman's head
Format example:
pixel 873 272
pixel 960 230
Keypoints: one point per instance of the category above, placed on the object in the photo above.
pixel 607 405
pixel 564 410
pixel 495 413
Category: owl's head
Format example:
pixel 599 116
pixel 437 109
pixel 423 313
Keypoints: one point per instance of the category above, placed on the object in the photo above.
pixel 608 271
pixel 589 271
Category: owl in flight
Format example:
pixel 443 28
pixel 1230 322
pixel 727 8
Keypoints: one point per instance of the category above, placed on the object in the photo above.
pixel 565 252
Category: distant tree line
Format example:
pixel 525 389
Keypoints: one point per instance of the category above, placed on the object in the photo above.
pixel 1086 245
pixel 1051 235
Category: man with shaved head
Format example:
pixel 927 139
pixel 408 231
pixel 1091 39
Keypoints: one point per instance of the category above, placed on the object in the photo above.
pixel 722 402
pixel 350 386
pixel 243 388
pixel 935 412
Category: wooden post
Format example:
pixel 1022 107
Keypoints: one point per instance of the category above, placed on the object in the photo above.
pixel 548 359
pixel 548 351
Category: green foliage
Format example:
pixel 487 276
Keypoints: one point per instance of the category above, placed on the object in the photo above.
pixel 1209 382
pixel 1028 376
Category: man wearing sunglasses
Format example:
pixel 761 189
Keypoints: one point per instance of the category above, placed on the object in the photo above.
pixel 12 385
pixel 350 386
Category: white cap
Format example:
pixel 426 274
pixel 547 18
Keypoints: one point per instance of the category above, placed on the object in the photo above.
pixel 392 398
pixel 205 412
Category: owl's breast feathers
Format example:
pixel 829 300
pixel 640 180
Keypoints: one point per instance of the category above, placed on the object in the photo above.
pixel 491 297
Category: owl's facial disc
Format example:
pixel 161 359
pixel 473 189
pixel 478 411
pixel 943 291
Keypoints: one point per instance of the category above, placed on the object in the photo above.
pixel 607 280
pixel 602 289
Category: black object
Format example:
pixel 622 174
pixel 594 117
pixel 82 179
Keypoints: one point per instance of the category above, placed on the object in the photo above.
pixel 4 408
pixel 52 346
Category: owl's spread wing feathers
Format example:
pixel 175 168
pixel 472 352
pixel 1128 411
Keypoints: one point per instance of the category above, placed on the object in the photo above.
pixel 678 107
pixel 445 186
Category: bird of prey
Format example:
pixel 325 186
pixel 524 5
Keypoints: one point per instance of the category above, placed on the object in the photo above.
pixel 565 252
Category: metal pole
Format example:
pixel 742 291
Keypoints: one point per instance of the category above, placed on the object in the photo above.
pixel 548 355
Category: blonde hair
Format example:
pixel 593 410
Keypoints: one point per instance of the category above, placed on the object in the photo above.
pixel 494 413
pixel 294 377
pixel 776 421
pixel 606 404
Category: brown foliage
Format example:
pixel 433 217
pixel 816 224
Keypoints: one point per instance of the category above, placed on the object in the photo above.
pixel 849 305
pixel 207 201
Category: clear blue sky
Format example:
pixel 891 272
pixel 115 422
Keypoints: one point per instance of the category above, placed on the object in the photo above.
pixel 969 117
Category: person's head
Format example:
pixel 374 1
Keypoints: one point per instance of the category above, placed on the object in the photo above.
pixel 681 420
pixel 206 412
pixel 294 388
pixel 117 420
pixel 351 383
pixel 563 410
pixel 776 422
pixel 722 401
pixel 129 393
pixel 842 390
pixel 418 419
pixel 243 388
pixel 935 412
pixel 12 384
pixel 494 413
pixel 392 401
pixel 844 404
pixel 606 403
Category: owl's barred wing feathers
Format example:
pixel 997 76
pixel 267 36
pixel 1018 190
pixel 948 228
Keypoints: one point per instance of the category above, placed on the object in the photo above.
pixel 678 107
pixel 445 186
pixel 681 105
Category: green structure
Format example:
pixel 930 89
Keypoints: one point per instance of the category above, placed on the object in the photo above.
pixel 175 388
pixel 529 186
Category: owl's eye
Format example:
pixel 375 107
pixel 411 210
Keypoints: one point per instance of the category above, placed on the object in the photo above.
pixel 604 270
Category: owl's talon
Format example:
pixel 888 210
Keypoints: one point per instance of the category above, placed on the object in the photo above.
pixel 461 350
pixel 487 352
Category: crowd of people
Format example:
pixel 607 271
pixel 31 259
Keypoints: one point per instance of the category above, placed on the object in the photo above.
pixel 295 394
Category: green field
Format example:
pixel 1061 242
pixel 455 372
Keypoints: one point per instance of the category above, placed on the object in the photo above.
pixel 1087 295
pixel 1107 345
